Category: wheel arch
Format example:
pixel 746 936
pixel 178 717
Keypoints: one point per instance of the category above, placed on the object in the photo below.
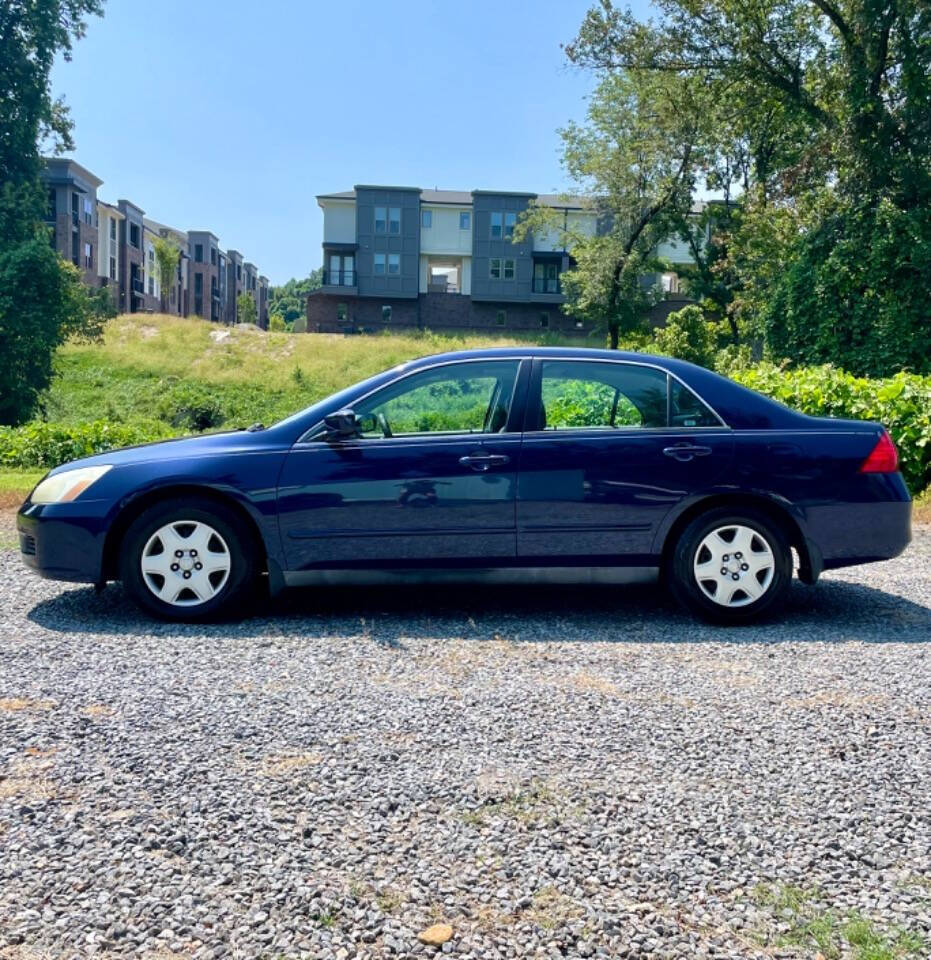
pixel 133 508
pixel 810 562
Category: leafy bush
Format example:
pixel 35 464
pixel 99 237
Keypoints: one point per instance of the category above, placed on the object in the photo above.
pixel 901 403
pixel 688 336
pixel 191 406
pixel 49 444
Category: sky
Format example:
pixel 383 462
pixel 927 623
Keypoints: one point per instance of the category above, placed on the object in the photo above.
pixel 232 116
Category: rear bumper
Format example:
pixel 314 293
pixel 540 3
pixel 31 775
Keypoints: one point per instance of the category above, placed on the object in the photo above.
pixel 849 533
pixel 63 541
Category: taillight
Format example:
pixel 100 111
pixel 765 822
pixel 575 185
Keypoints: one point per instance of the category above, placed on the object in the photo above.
pixel 884 457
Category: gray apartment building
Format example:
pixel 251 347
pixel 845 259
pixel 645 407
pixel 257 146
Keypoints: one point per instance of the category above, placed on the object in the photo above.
pixel 113 245
pixel 411 257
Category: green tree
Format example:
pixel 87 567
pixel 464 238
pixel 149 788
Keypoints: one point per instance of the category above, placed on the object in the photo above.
pixel 820 112
pixel 245 309
pixel 635 157
pixel 167 254
pixel 276 323
pixel 42 300
pixel 289 300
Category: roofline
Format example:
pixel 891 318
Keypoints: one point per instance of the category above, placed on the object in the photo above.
pixel 91 177
pixel 385 186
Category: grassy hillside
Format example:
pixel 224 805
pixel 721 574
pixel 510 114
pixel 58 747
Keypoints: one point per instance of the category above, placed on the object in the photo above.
pixel 152 367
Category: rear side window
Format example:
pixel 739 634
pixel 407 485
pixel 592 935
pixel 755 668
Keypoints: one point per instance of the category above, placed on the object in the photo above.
pixel 585 394
pixel 592 395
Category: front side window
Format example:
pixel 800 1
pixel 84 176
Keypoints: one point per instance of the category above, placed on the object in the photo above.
pixel 134 235
pixel 88 256
pixel 455 398
pixel 593 395
pixel 494 268
pixel 510 221
pixel 465 220
pixel 379 264
pixel 497 226
pixel 394 263
pixel 508 269
pixel 381 219
pixel 394 220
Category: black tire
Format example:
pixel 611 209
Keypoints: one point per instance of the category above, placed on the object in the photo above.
pixel 689 592
pixel 231 594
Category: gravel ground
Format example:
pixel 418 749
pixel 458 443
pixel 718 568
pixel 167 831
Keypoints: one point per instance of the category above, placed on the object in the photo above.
pixel 554 773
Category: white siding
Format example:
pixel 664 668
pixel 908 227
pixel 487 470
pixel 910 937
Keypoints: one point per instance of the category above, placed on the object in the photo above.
pixel 467 276
pixel 444 235
pixel 339 221
pixel 675 251
pixel 575 221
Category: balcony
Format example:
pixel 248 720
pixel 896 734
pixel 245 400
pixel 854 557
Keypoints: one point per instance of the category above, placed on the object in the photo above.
pixel 547 285
pixel 137 285
pixel 339 278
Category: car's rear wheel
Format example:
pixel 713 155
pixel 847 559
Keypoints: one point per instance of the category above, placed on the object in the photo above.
pixel 187 560
pixel 731 566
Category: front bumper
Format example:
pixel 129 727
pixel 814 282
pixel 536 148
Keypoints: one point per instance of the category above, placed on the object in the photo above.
pixel 64 541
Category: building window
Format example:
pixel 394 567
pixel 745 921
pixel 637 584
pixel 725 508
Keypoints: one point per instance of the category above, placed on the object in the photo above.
pixel 426 218
pixel 381 220
pixel 501 269
pixel 497 220
pixel 239 271
pixel 342 313
pixel 113 268
pixel 112 230
pixel 198 253
pixel 213 256
pixel 151 286
pixel 198 284
pixel 394 220
pixel 52 204
pixel 502 225
pixel 379 264
pixel 199 306
pixel 510 221
pixel 386 312
pixel 544 320
pixel 501 317
pixel 394 263
pixel 465 220
pixel 88 212
pixel 88 256
pixel 134 234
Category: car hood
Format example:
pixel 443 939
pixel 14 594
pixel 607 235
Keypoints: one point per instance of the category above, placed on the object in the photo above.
pixel 207 444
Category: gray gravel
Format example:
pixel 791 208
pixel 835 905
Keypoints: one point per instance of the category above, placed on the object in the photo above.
pixel 560 772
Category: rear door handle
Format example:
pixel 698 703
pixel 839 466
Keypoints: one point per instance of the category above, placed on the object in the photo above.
pixel 480 462
pixel 683 452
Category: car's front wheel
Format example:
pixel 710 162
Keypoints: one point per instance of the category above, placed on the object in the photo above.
pixel 187 560
pixel 731 566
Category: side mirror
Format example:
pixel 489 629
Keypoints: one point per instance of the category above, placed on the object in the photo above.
pixel 342 425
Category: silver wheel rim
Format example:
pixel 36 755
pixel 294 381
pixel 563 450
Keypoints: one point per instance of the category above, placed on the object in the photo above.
pixel 185 563
pixel 734 565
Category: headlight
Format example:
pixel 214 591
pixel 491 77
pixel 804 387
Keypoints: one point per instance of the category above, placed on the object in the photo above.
pixel 66 486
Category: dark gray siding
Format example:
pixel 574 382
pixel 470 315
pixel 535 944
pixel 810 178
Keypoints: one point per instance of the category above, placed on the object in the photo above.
pixel 407 243
pixel 484 248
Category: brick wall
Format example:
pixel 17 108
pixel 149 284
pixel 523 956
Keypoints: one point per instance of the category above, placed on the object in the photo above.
pixel 434 311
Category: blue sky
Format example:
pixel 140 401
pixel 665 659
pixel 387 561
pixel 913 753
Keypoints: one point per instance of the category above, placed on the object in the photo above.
pixel 231 116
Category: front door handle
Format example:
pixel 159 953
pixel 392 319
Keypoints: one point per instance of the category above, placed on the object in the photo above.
pixel 480 462
pixel 683 452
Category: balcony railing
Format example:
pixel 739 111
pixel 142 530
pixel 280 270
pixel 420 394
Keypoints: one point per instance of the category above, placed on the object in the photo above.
pixel 339 278
pixel 546 285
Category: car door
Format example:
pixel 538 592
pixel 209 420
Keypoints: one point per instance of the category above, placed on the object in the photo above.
pixel 610 448
pixel 432 479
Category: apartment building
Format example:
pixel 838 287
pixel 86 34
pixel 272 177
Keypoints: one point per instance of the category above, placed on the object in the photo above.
pixel 71 214
pixel 114 246
pixel 411 257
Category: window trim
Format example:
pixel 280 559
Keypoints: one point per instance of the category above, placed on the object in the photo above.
pixel 390 272
pixel 531 411
pixel 502 268
pixel 384 264
pixel 308 439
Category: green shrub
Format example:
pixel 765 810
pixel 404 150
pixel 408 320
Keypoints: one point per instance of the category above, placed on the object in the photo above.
pixel 190 406
pixel 48 444
pixel 688 336
pixel 901 403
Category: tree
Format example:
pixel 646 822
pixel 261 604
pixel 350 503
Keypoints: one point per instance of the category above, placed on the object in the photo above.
pixel 635 157
pixel 289 301
pixel 42 299
pixel 820 114
pixel 245 309
pixel 167 253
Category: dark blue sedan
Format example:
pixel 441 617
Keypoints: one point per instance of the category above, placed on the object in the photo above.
pixel 519 464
